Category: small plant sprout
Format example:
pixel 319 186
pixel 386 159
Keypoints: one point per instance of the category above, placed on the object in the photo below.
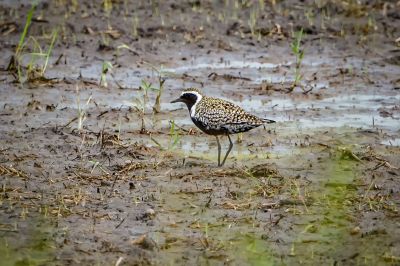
pixel 141 102
pixel 124 46
pixel 174 138
pixel 33 69
pixel 174 135
pixel 253 21
pixel 157 103
pixel 48 53
pixel 25 31
pixel 299 56
pixel 106 66
pixel 161 81
pixel 81 109
pixel 135 25
pixel 107 6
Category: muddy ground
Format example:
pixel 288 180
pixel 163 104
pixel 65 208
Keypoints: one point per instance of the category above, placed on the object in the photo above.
pixel 84 183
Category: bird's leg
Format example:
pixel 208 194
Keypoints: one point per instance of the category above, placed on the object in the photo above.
pixel 229 149
pixel 219 151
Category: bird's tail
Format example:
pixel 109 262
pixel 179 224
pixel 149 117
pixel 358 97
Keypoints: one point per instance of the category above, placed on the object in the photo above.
pixel 268 121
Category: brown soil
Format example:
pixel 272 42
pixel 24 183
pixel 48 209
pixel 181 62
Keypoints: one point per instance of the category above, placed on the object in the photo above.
pixel 321 186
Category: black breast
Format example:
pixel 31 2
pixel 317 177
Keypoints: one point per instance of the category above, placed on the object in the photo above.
pixel 208 129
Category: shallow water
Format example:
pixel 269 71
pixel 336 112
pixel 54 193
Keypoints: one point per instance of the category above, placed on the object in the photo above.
pixel 391 142
pixel 289 194
pixel 240 65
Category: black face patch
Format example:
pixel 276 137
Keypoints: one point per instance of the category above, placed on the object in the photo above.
pixel 189 98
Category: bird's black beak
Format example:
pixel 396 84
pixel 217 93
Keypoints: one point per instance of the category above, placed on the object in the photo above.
pixel 177 100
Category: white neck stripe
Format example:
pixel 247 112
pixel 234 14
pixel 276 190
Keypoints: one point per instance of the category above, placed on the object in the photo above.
pixel 199 97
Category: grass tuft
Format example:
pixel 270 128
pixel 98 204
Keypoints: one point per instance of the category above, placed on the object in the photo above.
pixel 299 53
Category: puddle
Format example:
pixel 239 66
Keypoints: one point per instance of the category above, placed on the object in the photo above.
pixel 391 142
pixel 352 101
pixel 327 222
pixel 34 247
pixel 202 227
pixel 362 121
pixel 250 249
pixel 358 111
pixel 355 101
pixel 205 147
pixel 108 180
pixel 234 64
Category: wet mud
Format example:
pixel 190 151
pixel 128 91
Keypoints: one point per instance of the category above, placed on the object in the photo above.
pixel 93 171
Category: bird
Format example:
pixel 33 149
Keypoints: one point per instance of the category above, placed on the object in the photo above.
pixel 218 117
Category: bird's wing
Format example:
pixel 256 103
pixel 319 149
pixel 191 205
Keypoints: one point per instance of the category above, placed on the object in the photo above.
pixel 231 113
pixel 241 116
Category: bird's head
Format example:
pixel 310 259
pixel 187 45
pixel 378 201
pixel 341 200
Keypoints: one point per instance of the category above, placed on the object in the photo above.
pixel 190 97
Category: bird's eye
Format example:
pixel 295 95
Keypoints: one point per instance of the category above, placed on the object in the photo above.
pixel 192 96
pixel 189 97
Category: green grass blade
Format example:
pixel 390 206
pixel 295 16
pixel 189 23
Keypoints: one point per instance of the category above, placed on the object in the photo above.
pixel 27 24
pixel 53 40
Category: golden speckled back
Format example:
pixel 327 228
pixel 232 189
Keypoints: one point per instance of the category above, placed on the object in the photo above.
pixel 216 116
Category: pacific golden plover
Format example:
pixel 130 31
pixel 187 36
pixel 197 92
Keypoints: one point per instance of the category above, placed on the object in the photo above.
pixel 218 117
